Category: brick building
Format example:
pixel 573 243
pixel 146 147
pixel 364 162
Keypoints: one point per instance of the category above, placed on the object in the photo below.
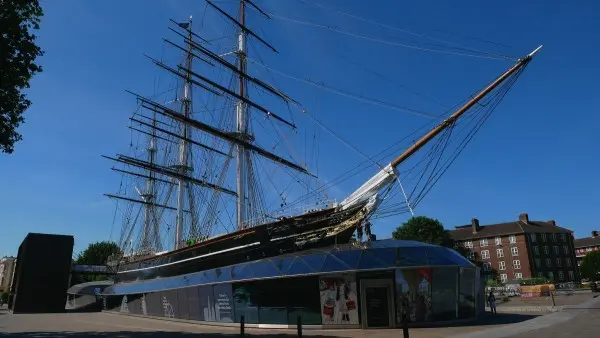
pixel 7 269
pixel 522 249
pixel 585 245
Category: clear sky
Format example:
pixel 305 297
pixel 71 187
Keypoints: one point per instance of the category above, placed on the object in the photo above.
pixel 537 154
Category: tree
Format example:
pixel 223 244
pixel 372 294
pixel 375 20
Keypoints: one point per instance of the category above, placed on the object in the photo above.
pixel 4 297
pixel 424 229
pixel 95 254
pixel 98 253
pixel 18 52
pixel 429 230
pixel 590 266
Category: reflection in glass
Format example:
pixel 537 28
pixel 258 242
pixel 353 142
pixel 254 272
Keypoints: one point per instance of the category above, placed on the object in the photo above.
pixel 413 294
pixel 466 295
pixel 443 294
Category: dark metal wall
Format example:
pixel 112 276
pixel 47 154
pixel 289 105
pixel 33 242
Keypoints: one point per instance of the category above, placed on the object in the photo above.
pixel 42 273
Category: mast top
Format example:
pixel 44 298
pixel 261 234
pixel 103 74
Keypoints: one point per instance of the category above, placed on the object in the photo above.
pixel 535 51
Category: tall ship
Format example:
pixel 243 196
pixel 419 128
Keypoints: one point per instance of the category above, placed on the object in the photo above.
pixel 200 190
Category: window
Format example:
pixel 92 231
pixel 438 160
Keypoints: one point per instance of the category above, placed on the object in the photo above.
pixel 512 239
pixel 561 275
pixel 538 263
pixel 543 237
pixel 536 250
pixel 533 238
pixel 517 264
pixel 566 249
pixel 498 240
pixel 502 266
pixel 518 275
pixel 588 249
pixel 550 275
pixel 500 253
pixel 469 244
pixel 548 262
pixel 503 278
pixel 546 250
pixel 514 250
pixel 483 242
pixel 568 261
pixel 556 251
pixel 487 266
pixel 553 237
pixel 563 237
pixel 485 254
pixel 540 274
pixel 471 255
pixel 571 275
pixel 559 262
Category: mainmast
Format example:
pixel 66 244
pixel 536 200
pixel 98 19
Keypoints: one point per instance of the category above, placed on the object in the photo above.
pixel 183 151
pixel 241 125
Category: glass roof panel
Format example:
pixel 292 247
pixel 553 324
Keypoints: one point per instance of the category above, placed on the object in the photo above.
pixel 299 268
pixel 332 263
pixel 412 256
pixel 350 258
pixel 368 261
pixel 315 261
pixel 265 269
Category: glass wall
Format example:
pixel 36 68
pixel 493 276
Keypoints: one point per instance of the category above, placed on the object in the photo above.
pixel 413 294
pixel 443 293
pixel 435 294
pixel 278 301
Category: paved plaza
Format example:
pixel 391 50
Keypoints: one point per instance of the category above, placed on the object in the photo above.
pixel 580 320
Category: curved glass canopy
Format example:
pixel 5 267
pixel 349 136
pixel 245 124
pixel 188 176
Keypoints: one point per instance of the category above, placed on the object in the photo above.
pixel 378 255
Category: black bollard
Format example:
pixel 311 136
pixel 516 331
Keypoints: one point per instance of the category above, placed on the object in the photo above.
pixel 552 295
pixel 299 326
pixel 405 326
pixel 242 326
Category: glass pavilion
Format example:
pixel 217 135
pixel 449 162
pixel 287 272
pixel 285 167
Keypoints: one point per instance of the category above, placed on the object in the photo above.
pixel 369 285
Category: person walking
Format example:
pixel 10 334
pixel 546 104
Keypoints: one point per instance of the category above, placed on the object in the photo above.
pixel 492 301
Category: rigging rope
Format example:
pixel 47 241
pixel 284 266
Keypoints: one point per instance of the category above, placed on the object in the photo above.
pixel 403 30
pixel 392 43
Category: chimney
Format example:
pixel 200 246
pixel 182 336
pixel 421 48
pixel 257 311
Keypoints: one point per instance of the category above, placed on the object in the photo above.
pixel 594 233
pixel 524 218
pixel 552 222
pixel 475 225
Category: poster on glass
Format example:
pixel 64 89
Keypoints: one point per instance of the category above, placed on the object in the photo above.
pixel 338 300
pixel 413 294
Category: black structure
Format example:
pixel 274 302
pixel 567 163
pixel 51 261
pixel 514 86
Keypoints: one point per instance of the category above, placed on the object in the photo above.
pixel 42 273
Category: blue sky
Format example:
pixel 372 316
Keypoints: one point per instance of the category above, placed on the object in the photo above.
pixel 537 153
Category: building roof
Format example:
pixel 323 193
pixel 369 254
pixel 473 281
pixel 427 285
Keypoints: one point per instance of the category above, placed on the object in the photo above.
pixel 377 255
pixel 587 241
pixel 465 232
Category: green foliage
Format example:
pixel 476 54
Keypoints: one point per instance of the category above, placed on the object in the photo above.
pixel 98 253
pixel 95 254
pixel 18 52
pixel 590 266
pixel 535 281
pixel 493 283
pixel 4 297
pixel 424 229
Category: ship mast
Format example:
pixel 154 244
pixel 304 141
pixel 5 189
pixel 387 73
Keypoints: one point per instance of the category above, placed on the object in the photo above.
pixel 241 125
pixel 183 158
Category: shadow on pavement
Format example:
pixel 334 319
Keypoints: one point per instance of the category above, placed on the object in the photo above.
pixel 489 319
pixel 133 334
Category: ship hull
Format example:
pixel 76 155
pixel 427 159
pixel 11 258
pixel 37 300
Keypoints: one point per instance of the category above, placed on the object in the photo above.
pixel 308 231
